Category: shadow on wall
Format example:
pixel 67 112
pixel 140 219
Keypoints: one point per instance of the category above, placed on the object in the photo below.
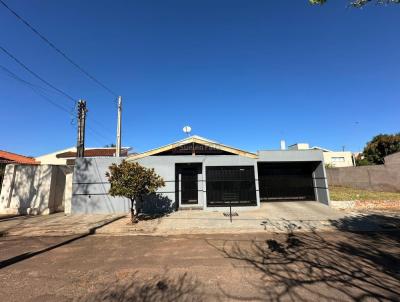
pixel 158 288
pixel 28 189
pixel 86 176
pixel 309 267
pixel 155 205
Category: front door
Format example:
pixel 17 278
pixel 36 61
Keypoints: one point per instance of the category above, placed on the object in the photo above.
pixel 189 188
pixel 187 180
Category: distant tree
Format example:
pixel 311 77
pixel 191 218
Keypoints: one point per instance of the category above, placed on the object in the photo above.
pixel 110 146
pixel 362 161
pixel 360 3
pixel 379 147
pixel 133 181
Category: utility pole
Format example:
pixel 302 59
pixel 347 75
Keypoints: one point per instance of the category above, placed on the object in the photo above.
pixel 118 147
pixel 80 146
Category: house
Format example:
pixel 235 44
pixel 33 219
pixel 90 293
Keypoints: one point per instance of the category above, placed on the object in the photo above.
pixel 334 159
pixel 13 158
pixel 203 174
pixel 67 156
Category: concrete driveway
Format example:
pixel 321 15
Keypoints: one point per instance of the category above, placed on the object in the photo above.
pixel 298 210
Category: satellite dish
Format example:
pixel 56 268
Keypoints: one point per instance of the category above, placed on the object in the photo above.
pixel 187 129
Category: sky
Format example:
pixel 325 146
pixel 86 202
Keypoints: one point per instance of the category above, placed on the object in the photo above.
pixel 244 73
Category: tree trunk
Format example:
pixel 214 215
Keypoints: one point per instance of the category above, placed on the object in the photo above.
pixel 133 211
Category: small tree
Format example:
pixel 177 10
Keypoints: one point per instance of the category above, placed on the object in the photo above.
pixel 131 180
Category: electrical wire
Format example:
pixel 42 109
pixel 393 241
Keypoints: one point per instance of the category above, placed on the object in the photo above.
pixel 62 53
pixel 36 75
pixel 44 81
pixel 39 91
pixel 35 88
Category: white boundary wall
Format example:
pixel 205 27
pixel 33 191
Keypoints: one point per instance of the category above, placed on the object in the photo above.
pixel 35 189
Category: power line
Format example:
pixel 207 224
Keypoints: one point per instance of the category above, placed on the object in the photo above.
pixel 35 88
pixel 57 49
pixel 35 74
pixel 43 80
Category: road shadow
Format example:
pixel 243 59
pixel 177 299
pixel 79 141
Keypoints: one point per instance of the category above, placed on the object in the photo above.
pixel 158 288
pixel 311 266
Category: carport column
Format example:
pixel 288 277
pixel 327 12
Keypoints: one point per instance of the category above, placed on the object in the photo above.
pixel 203 167
pixel 199 188
pixel 315 186
pixel 180 189
pixel 256 183
pixel 328 197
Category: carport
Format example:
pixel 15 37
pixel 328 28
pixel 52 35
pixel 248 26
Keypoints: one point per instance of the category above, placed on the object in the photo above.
pixel 292 175
pixel 286 180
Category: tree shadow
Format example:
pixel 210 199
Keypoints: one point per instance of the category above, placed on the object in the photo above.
pixel 321 266
pixel 367 222
pixel 155 206
pixel 159 288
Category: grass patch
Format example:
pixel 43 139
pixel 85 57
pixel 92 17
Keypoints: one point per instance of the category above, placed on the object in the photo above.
pixel 344 193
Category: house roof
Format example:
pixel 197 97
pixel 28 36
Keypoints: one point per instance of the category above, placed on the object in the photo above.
pixel 9 157
pixel 94 152
pixel 193 139
pixel 320 148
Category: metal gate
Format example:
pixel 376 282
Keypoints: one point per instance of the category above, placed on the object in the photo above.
pixel 230 184
pixel 286 181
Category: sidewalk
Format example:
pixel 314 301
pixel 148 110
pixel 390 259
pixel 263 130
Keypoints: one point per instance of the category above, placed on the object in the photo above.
pixel 57 224
pixel 278 217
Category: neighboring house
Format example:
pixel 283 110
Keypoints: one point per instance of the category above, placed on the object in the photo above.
pixel 334 159
pixel 67 156
pixel 13 158
pixel 204 174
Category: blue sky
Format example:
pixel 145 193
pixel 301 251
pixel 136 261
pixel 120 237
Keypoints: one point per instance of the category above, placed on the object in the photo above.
pixel 245 73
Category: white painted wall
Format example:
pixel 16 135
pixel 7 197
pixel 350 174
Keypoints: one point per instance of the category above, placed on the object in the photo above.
pixel 33 189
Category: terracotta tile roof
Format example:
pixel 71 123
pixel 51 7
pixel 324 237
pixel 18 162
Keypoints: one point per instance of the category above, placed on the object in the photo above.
pixel 97 152
pixel 8 158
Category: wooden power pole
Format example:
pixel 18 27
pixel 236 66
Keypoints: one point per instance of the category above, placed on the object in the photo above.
pixel 80 146
pixel 118 147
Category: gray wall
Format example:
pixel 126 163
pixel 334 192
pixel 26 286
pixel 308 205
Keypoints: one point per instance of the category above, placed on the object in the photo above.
pixel 393 159
pixel 90 188
pixel 90 185
pixel 377 178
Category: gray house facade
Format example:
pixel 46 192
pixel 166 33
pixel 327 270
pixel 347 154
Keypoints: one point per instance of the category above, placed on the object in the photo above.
pixel 203 174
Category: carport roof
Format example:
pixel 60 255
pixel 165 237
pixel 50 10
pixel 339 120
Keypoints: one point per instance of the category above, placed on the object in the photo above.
pixel 193 139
